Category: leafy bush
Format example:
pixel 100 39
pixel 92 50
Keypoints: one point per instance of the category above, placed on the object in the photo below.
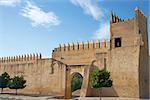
pixel 101 78
pixel 17 83
pixel 4 80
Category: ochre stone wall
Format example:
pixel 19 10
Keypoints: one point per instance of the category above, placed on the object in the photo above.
pixel 82 53
pixel 124 60
pixel 124 71
pixel 41 77
pixel 128 64
pixel 141 25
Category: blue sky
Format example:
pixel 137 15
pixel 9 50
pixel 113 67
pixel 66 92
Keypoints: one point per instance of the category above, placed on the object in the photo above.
pixel 30 26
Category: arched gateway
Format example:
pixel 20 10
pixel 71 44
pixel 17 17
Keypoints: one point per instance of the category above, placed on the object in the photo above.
pixel 72 70
pixel 69 72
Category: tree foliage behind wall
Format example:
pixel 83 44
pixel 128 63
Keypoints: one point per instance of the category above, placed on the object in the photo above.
pixel 76 82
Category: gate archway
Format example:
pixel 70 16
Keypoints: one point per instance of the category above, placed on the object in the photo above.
pixel 76 84
pixel 71 71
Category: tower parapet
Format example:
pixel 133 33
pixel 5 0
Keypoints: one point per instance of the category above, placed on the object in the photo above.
pixel 139 12
pixel 116 19
pixel 21 58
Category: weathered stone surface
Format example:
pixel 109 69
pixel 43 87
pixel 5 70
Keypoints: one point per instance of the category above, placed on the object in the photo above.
pixel 128 63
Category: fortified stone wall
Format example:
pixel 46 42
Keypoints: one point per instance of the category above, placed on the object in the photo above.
pixel 129 61
pixel 41 76
pixel 125 55
pixel 81 53
pixel 141 25
pixel 124 59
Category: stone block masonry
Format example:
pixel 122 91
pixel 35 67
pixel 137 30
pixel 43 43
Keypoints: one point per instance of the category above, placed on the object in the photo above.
pixel 125 55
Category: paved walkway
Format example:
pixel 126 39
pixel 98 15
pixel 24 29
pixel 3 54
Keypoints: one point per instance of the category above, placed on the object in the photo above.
pixel 25 97
pixel 29 97
pixel 109 98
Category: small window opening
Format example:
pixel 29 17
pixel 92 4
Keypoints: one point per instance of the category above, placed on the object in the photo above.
pixel 117 42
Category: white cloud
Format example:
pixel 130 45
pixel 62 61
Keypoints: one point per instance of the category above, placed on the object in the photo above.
pixel 38 16
pixel 9 2
pixel 90 7
pixel 103 31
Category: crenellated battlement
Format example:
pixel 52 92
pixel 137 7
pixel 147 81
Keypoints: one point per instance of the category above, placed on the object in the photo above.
pixel 115 19
pixel 83 46
pixel 139 12
pixel 21 58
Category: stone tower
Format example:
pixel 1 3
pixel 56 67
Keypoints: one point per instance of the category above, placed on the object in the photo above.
pixel 129 54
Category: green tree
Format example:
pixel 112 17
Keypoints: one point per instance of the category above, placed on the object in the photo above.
pixel 4 79
pixel 18 82
pixel 101 78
